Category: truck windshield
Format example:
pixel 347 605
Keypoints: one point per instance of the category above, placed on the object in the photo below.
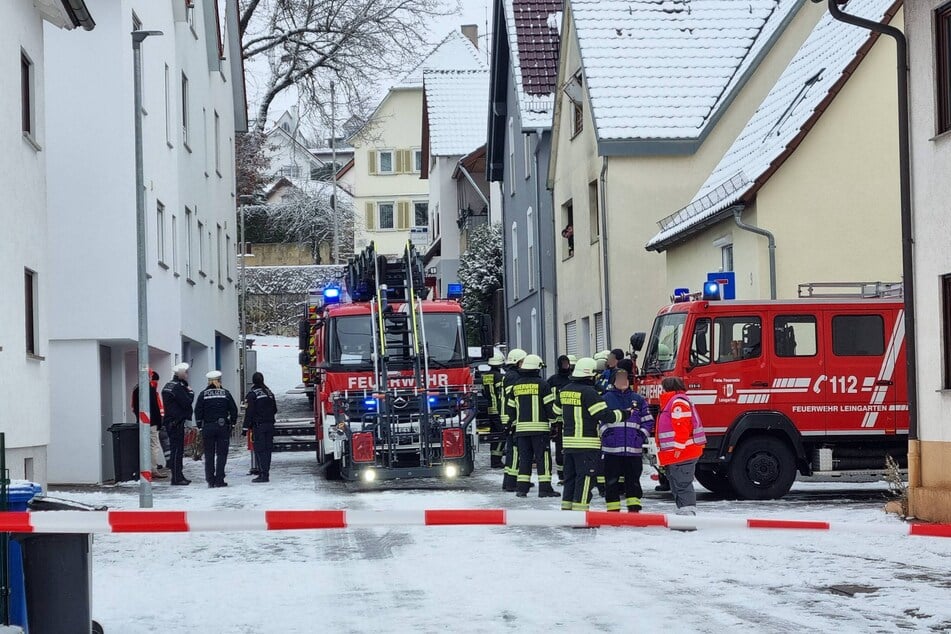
pixel 350 341
pixel 664 343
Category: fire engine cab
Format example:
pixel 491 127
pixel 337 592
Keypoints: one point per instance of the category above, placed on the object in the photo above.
pixel 815 385
pixel 389 373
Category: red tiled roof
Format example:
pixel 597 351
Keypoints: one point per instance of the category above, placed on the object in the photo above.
pixel 537 44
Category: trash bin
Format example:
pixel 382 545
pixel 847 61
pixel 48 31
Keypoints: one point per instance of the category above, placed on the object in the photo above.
pixel 19 494
pixel 125 450
pixel 57 575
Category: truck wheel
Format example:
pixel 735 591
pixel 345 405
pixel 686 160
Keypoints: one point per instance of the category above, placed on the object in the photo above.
pixel 332 470
pixel 763 468
pixel 310 399
pixel 717 483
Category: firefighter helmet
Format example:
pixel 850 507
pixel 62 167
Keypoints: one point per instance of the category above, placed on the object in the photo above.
pixel 572 360
pixel 515 355
pixel 532 362
pixel 585 368
pixel 496 360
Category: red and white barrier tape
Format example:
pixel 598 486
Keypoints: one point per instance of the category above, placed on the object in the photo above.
pixel 150 521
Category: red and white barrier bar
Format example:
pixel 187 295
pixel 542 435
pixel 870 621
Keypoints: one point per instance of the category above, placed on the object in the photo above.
pixel 153 521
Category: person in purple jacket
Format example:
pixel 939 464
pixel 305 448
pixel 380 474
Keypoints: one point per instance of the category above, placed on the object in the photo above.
pixel 622 444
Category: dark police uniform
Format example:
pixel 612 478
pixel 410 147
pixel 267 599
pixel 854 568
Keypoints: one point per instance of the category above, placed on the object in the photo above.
pixel 177 398
pixel 215 413
pixel 259 418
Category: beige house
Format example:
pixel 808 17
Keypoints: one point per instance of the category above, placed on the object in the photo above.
pixel 391 196
pixel 646 108
pixel 928 25
pixel 816 167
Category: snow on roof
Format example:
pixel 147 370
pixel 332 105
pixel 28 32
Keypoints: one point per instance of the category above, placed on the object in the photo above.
pixel 662 69
pixel 455 102
pixel 532 27
pixel 812 75
pixel 455 52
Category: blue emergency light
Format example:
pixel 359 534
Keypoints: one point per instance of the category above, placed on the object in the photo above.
pixel 681 295
pixel 454 291
pixel 332 295
pixel 711 290
pixel 370 402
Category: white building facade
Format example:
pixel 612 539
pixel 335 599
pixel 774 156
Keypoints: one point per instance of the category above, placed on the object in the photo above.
pixel 193 102
pixel 24 257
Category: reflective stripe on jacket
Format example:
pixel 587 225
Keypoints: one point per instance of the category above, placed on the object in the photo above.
pixel 583 410
pixel 530 405
pixel 490 390
pixel 627 438
pixel 680 436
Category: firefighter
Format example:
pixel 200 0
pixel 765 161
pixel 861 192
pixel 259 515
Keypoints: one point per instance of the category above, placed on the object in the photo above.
pixel 156 409
pixel 530 408
pixel 259 418
pixel 622 444
pixel 177 397
pixel 491 382
pixel 601 365
pixel 215 413
pixel 584 410
pixel 680 442
pixel 560 379
pixel 509 378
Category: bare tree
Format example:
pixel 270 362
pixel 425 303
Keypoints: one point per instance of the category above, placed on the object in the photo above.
pixel 307 216
pixel 251 163
pixel 354 43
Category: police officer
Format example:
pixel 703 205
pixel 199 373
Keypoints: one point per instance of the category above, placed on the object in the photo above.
pixel 509 378
pixel 259 418
pixel 530 407
pixel 491 382
pixel 215 413
pixel 560 379
pixel 177 397
pixel 584 410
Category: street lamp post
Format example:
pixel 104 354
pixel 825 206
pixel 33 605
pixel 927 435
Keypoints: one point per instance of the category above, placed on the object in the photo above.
pixel 145 400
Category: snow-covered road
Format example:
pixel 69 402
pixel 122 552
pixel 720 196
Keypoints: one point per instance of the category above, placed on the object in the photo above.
pixel 484 579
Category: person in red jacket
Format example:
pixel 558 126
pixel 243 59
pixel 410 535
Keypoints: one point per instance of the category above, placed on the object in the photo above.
pixel 680 442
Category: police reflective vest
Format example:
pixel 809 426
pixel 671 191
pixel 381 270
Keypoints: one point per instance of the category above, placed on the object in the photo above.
pixel 680 436
pixel 583 410
pixel 530 405
pixel 490 390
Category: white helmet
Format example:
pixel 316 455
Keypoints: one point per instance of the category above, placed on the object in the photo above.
pixel 585 368
pixel 180 369
pixel 532 362
pixel 601 363
pixel 572 360
pixel 601 355
pixel 515 355
pixel 497 360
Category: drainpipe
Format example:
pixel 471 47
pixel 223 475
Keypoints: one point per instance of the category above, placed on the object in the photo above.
pixel 605 293
pixel 543 331
pixel 737 213
pixel 907 233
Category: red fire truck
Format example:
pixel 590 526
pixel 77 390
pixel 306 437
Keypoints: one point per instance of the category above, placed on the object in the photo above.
pixel 815 385
pixel 389 376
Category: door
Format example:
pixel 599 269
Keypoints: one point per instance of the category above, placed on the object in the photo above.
pixel 798 362
pixel 859 381
pixel 742 374
pixel 105 412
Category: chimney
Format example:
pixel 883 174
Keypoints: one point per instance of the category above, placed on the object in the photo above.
pixel 471 31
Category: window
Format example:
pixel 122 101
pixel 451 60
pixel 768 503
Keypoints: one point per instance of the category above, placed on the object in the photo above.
pixel 527 154
pixel 420 214
pixel 32 312
pixel 946 326
pixel 600 338
pixel 385 158
pixel 594 217
pixel 289 171
pixel 530 228
pixel 571 337
pixel 189 243
pixel 185 110
pixel 568 233
pixel 219 255
pixel 27 119
pixel 858 335
pixel 228 255
pixel 943 66
pixel 386 216
pixel 577 118
pixel 201 248
pixel 168 106
pixel 205 139
pixel 700 344
pixel 160 232
pixel 518 332
pixel 726 257
pixel 534 331
pixel 737 338
pixel 515 261
pixel 417 161
pixel 511 140
pixel 175 244
pixel 795 336
pixel 217 144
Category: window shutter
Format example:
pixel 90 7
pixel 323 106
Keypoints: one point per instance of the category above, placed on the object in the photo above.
pixel 372 161
pixel 571 337
pixel 407 161
pixel 371 216
pixel 403 215
pixel 400 166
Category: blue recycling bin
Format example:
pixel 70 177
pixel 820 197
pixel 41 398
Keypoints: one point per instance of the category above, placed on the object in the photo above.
pixel 19 495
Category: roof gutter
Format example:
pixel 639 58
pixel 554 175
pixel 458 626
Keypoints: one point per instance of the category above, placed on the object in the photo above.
pixel 907 232
pixel 737 217
pixel 79 13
